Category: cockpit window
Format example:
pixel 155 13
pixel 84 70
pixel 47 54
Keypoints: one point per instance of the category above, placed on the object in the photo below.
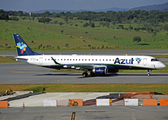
pixel 154 60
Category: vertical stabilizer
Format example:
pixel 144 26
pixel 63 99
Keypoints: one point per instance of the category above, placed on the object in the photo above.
pixel 21 47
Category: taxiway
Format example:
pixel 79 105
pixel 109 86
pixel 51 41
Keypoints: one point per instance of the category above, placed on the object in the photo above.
pixel 22 73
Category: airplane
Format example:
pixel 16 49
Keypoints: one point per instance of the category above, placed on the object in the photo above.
pixel 95 64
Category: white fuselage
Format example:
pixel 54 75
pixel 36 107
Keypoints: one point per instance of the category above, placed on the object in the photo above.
pixel 74 61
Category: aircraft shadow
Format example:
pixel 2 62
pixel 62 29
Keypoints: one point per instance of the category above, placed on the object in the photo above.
pixel 74 74
pixel 108 75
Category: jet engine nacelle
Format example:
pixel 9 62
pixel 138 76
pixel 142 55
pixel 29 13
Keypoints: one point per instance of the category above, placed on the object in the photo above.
pixel 100 70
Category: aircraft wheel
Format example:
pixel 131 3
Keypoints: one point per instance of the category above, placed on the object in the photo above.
pixel 92 74
pixel 84 74
pixel 149 74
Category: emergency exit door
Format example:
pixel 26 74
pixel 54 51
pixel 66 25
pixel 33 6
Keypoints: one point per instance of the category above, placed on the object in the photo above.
pixel 144 61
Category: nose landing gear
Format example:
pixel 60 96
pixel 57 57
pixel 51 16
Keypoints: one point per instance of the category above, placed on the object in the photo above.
pixel 149 72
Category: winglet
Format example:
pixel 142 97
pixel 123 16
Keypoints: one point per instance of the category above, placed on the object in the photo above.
pixel 22 48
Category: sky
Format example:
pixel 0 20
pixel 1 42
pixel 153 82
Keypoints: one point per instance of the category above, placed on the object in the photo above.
pixel 34 5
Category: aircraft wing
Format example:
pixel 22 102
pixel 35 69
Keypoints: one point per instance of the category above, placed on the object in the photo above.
pixel 82 66
pixel 79 66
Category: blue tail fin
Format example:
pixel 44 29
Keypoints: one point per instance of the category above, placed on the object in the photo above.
pixel 21 46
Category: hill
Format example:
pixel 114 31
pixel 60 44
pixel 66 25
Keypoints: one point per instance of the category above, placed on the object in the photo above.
pixel 74 36
pixel 116 9
pixel 160 7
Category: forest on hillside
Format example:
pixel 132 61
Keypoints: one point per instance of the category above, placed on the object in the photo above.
pixel 153 17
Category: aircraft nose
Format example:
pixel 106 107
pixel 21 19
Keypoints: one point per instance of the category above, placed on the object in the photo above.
pixel 162 65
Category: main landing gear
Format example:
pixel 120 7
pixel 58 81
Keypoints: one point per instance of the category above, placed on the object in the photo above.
pixel 84 74
pixel 92 74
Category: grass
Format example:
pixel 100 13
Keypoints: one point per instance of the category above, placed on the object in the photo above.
pixel 35 89
pixel 160 88
pixel 37 36
pixel 6 60
pixel 160 56
pixel 79 37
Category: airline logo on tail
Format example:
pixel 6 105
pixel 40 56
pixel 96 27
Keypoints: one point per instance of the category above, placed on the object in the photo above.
pixel 21 46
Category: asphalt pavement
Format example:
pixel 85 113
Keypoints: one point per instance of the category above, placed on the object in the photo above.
pixel 86 113
pixel 22 73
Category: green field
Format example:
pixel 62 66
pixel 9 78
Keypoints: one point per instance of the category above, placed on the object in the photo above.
pixel 35 37
pixel 49 36
pixel 160 88
pixel 6 60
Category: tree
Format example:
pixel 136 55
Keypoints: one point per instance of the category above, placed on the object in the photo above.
pixel 165 27
pixel 137 39
pixel 86 24
pixel 44 20
pixel 20 13
pixel 121 26
pixel 61 23
pixel 55 22
pixel 130 27
pixel 148 28
pixel 103 24
pixel 66 45
pixel 66 19
pixel 62 31
pixel 92 24
pixel 33 18
pixel 3 15
pixel 14 18
pixel 107 24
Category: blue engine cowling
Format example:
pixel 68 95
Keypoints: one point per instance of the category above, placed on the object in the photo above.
pixel 100 70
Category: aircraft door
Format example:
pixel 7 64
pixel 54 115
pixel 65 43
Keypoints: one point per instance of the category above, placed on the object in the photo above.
pixel 144 61
pixel 41 60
